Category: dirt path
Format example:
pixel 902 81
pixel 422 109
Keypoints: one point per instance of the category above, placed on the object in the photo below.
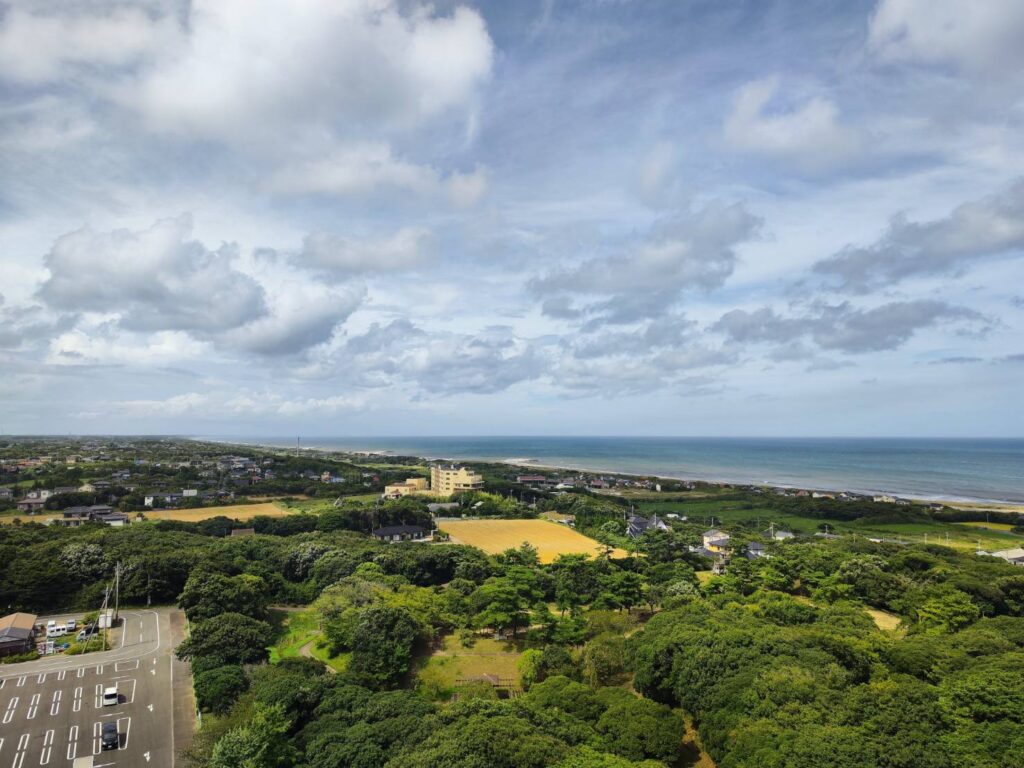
pixel 307 651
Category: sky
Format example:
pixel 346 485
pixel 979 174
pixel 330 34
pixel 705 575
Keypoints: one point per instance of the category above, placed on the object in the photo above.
pixel 378 217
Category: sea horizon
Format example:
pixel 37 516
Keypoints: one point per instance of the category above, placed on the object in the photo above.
pixel 973 470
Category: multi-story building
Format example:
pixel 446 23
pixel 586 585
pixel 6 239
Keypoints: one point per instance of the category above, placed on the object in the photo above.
pixel 444 481
pixel 406 487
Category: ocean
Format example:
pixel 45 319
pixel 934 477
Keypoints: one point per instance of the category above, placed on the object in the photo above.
pixel 980 470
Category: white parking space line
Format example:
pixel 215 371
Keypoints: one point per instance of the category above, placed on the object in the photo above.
pixel 76 704
pixel 33 706
pixel 44 758
pixel 129 699
pixel 96 746
pixel 55 704
pixel 99 695
pixel 126 666
pixel 127 730
pixel 21 680
pixel 60 675
pixel 81 672
pixel 99 669
pixel 19 758
pixel 11 706
pixel 3 682
pixel 41 678
pixel 72 742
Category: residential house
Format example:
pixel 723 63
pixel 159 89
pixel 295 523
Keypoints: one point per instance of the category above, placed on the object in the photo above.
pixel 636 526
pixel 6 494
pixel 31 505
pixel 1015 555
pixel 98 513
pixel 17 633
pixel 393 533
pixel 65 489
pixel 756 550
pixel 779 535
pixel 406 488
pixel 716 541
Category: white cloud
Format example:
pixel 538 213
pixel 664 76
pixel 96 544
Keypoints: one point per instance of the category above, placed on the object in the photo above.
pixel 39 47
pixel 975 36
pixel 154 279
pixel 809 134
pixel 248 68
pixel 341 257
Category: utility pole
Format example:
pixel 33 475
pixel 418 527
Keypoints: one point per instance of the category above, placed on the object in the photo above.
pixel 117 591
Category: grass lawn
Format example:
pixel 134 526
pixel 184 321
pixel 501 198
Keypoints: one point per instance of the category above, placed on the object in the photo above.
pixel 438 674
pixel 988 526
pixel 884 619
pixel 299 629
pixel 550 539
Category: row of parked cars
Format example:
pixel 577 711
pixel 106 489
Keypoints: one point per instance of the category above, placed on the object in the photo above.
pixel 64 628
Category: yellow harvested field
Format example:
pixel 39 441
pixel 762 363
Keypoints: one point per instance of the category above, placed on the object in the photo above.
pixel 988 526
pixel 234 511
pixel 550 539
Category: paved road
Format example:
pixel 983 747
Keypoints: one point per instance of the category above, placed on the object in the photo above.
pixel 51 710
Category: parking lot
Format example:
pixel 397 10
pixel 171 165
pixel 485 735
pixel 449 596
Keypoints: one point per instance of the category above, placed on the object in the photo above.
pixel 52 710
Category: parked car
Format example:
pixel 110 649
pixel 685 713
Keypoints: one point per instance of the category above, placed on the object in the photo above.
pixel 72 625
pixel 111 738
pixel 110 696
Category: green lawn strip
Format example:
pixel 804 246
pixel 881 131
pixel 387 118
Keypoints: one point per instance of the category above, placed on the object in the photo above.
pixel 439 673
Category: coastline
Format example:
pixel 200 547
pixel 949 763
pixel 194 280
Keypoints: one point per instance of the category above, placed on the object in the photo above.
pixel 526 463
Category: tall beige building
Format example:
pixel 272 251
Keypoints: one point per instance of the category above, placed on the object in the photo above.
pixel 444 481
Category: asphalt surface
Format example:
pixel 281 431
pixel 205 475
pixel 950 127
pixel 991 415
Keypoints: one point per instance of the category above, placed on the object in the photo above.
pixel 51 710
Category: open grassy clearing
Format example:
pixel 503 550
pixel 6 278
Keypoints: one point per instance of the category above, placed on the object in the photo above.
pixel 550 539
pixel 300 635
pixel 439 673
pixel 884 620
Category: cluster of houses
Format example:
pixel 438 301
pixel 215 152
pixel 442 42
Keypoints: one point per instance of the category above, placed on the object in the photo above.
pixel 557 482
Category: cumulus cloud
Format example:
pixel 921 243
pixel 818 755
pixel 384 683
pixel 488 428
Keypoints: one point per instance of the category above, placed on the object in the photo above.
pixel 154 279
pixel 245 68
pixel 39 47
pixel 693 250
pixel 842 327
pixel 976 37
pixel 340 257
pixel 809 134
pixel 22 327
pixel 991 226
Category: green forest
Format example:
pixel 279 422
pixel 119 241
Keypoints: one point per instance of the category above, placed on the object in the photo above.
pixel 646 660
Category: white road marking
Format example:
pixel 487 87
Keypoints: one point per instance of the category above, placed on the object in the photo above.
pixel 99 669
pixel 11 706
pixel 33 706
pixel 146 755
pixel 99 695
pixel 41 678
pixel 126 666
pixel 21 680
pixel 19 758
pixel 150 707
pixel 77 703
pixel 127 731
pixel 72 742
pixel 81 672
pixel 96 749
pixel 55 704
pixel 44 758
pixel 60 675
pixel 128 699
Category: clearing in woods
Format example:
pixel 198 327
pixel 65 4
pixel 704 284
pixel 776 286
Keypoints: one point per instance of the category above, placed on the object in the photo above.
pixel 550 539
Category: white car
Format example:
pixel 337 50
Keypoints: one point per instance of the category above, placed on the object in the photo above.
pixel 110 697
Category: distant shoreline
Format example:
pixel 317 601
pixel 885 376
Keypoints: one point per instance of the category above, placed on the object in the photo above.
pixel 1000 505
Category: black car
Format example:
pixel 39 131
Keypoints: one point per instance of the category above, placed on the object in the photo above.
pixel 111 738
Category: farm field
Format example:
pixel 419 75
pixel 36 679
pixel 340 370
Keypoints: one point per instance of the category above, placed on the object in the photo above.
pixel 550 539
pixel 988 526
pixel 234 511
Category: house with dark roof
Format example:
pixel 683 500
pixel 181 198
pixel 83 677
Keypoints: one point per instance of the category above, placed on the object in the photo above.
pixel 31 505
pixel 715 540
pixel 756 550
pixel 636 526
pixel 98 513
pixel 17 633
pixel 393 533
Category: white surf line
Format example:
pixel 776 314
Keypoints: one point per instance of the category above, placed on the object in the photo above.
pixel 44 758
pixel 72 742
